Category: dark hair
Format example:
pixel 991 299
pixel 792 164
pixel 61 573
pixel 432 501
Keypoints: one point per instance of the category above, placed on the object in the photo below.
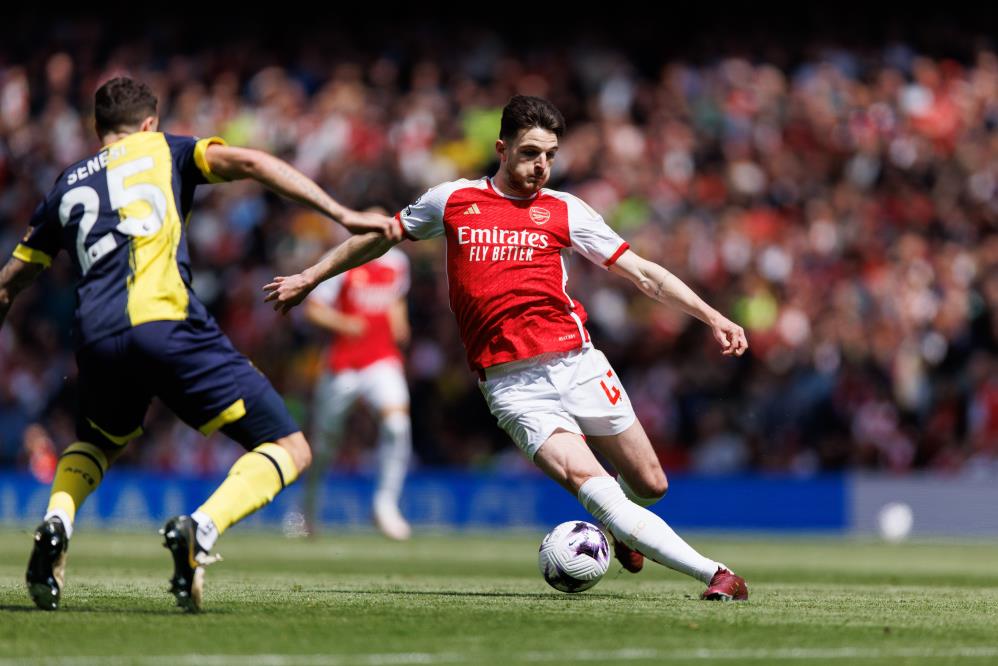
pixel 122 103
pixel 524 112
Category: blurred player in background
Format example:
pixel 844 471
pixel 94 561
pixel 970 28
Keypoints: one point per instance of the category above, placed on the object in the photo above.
pixel 141 332
pixel 550 389
pixel 365 310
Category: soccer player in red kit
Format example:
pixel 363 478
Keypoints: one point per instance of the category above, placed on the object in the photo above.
pixel 365 309
pixel 547 385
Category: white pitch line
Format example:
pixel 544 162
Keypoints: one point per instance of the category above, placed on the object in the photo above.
pixel 406 658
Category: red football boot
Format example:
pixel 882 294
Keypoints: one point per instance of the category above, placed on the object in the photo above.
pixel 725 586
pixel 629 558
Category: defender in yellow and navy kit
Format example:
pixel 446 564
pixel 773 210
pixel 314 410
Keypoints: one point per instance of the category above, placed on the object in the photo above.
pixel 121 215
pixel 141 332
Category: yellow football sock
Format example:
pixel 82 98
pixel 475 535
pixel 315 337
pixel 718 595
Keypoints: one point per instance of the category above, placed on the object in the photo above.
pixel 80 470
pixel 254 480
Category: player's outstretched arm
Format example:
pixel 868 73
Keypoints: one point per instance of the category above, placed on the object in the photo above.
pixel 15 276
pixel 233 163
pixel 658 283
pixel 290 290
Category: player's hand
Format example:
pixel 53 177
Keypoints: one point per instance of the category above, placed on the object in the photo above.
pixel 731 337
pixel 287 291
pixel 361 223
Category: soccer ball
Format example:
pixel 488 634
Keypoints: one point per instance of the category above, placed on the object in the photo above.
pixel 574 556
pixel 894 521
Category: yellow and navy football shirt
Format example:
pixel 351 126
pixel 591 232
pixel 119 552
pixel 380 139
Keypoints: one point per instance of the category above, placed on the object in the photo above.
pixel 122 215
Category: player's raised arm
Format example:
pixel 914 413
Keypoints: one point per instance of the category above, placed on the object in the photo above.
pixel 232 163
pixel 15 276
pixel 288 291
pixel 658 283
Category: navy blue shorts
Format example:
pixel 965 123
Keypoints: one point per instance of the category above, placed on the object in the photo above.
pixel 193 368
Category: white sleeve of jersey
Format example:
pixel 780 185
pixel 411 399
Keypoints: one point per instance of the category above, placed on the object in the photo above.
pixel 424 218
pixel 327 292
pixel 591 236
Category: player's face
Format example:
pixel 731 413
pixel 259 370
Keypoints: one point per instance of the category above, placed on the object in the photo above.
pixel 527 159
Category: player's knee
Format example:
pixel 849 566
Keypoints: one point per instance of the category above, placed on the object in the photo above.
pixel 647 489
pixel 303 456
pixel 659 486
pixel 297 446
pixel 655 484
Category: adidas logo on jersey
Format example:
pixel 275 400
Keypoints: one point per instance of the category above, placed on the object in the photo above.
pixel 472 210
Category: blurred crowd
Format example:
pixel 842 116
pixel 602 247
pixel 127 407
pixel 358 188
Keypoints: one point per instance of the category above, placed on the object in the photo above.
pixel 843 208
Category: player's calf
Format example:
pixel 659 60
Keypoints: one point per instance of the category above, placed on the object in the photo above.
pixel 642 530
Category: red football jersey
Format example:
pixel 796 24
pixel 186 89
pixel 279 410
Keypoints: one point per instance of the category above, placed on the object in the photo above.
pixel 506 265
pixel 368 291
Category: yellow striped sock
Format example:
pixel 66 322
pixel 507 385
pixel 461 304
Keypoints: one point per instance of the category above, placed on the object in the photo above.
pixel 254 480
pixel 80 470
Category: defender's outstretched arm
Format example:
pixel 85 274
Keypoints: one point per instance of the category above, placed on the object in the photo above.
pixel 233 163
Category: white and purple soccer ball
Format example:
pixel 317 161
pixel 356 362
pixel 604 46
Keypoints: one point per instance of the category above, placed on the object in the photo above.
pixel 574 556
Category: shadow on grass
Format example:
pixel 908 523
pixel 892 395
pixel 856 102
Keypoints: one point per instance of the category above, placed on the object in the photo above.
pixel 7 608
pixel 83 610
pixel 548 596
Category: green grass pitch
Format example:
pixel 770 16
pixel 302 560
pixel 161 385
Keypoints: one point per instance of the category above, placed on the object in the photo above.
pixel 463 599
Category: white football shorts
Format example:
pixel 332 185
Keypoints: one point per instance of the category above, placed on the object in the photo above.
pixel 576 391
pixel 381 385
